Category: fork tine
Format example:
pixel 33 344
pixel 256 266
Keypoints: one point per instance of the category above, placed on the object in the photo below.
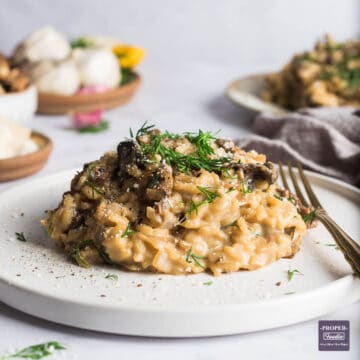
pixel 313 199
pixel 296 186
pixel 283 177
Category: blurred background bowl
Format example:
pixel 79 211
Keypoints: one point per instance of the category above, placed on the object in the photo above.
pixel 19 106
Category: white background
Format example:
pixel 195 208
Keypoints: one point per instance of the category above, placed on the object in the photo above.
pixel 194 48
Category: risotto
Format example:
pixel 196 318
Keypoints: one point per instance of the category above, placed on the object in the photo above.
pixel 328 75
pixel 178 204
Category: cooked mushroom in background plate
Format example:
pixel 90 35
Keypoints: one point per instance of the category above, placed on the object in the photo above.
pixel 328 75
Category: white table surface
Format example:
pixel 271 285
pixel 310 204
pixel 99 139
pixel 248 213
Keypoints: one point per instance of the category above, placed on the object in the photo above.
pixel 183 90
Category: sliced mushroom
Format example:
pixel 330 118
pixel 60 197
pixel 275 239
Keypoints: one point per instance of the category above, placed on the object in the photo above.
pixel 128 154
pixel 265 171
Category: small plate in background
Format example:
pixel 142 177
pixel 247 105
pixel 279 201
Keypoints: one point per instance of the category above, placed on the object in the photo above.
pixel 23 165
pixel 245 92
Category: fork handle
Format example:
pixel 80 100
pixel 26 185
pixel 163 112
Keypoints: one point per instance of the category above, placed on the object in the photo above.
pixel 348 246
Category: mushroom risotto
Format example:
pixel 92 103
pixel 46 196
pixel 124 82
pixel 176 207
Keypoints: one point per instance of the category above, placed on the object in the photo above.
pixel 329 75
pixel 178 204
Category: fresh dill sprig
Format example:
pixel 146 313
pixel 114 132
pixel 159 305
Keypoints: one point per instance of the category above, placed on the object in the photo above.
pixel 291 273
pixel 49 229
pixel 113 277
pixel 104 256
pixel 200 159
pixel 309 218
pixel 210 196
pixel 128 231
pixel 208 283
pixel 94 188
pixel 278 197
pixel 191 257
pixel 145 128
pixel 20 236
pixel 202 141
pixel 76 253
pixel 226 173
pixel 36 352
pixel 245 187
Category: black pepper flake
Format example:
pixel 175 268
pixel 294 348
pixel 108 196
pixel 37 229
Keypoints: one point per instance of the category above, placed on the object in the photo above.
pixel 139 285
pixel 18 274
pixel 102 295
pixel 278 283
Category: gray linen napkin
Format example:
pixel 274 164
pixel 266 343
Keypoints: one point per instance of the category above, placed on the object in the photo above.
pixel 326 140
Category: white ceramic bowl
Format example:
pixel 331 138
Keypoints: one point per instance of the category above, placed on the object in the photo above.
pixel 20 106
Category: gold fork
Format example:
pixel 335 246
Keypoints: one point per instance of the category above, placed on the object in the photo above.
pixel 346 244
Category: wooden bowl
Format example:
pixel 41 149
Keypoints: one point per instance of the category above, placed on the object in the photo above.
pixel 59 104
pixel 24 165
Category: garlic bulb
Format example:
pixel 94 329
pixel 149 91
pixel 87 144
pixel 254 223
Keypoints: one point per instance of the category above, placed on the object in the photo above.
pixel 97 66
pixel 43 44
pixel 61 78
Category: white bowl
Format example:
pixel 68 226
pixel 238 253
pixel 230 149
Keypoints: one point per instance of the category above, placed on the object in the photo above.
pixel 20 106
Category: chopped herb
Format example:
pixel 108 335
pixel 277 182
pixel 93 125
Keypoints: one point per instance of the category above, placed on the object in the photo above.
pixel 36 351
pixel 20 236
pixel 184 163
pixel 208 283
pixel 291 199
pixel 278 197
pixel 131 133
pixel 291 273
pixel 105 257
pixel 309 218
pixel 154 181
pixel 226 173
pixel 49 230
pixel 92 129
pixel 290 293
pixel 145 128
pixel 91 166
pixel 80 42
pixel 76 253
pixel 210 196
pixel 245 188
pixel 94 188
pixel 333 245
pixel 112 277
pixel 127 232
pixel 202 142
pixel 194 207
pixel 191 257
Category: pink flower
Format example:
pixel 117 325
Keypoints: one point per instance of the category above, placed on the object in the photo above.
pixel 92 118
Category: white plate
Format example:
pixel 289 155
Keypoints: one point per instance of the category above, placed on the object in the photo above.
pixel 245 92
pixel 39 280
